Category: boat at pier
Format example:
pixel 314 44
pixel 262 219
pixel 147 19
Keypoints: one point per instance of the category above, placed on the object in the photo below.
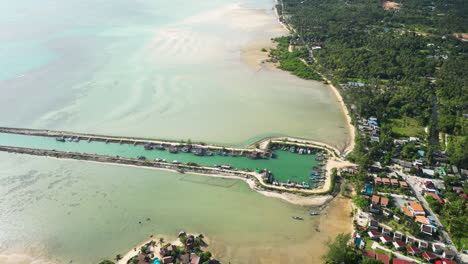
pixel 314 213
pixel 60 139
pixel 173 149
pixel 149 146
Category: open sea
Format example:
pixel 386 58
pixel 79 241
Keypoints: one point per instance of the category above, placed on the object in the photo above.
pixel 161 69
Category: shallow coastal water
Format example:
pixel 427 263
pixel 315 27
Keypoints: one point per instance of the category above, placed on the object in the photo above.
pixel 157 70
pixel 72 210
pixel 160 69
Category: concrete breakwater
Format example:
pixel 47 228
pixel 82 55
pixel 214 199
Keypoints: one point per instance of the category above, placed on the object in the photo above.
pixel 181 168
pixel 245 151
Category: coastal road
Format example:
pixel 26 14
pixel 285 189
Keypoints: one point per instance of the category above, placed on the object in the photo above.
pixel 411 182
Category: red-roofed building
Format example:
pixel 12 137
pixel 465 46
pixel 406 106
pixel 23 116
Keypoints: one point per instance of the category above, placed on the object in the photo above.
pixel 406 211
pixel 386 181
pixel 399 245
pixel 403 184
pixel 369 254
pixel 378 181
pixel 413 250
pixel 374 234
pixel 428 256
pixel 464 196
pixel 375 199
pixel 400 261
pixel 386 239
pixel 446 261
pixel 384 258
pixel 416 208
pixel 384 201
pixel 394 182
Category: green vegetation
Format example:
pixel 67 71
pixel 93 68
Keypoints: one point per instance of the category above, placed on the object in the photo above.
pixel 454 214
pixel 406 127
pixel 361 202
pixel 292 61
pixel 433 203
pixel 339 252
pixel 412 68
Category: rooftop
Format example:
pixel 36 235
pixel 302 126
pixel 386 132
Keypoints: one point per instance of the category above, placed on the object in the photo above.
pixel 416 207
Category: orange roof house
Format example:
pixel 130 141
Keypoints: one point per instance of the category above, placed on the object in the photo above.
pixel 416 208
pixel 422 219
pixel 406 211
pixel 384 201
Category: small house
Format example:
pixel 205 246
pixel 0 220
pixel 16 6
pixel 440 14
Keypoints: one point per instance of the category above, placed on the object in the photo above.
pixel 373 225
pixel 384 201
pixel 378 181
pixel 411 240
pixel 428 256
pixel 375 199
pixel 413 250
pixel 416 208
pixel 386 181
pixel 422 219
pixel 427 229
pixel 423 244
pixel 407 211
pixel 397 218
pixel 369 254
pixel 386 240
pixel 394 183
pixel 397 236
pixel 387 212
pixel 437 248
pixel 401 261
pixel 384 258
pixel 374 208
pixel 386 231
pixel 399 245
pixel 458 189
pixel 403 184
pixel 449 254
pixel 374 234
pixel 166 260
pixel 194 259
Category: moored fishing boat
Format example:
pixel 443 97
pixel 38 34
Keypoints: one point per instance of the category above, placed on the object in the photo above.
pixel 159 147
pixel 60 139
pixel 297 218
pixel 185 149
pixel 149 146
pixel 173 149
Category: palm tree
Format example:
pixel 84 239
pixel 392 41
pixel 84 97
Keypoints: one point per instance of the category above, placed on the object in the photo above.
pixel 118 257
pixel 161 241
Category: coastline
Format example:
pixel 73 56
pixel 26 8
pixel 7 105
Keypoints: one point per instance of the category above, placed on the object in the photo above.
pixel 350 147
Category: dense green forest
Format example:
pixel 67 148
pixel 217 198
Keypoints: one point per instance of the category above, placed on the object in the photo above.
pixel 411 64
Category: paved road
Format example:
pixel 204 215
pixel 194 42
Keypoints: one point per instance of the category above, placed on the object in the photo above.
pixel 411 181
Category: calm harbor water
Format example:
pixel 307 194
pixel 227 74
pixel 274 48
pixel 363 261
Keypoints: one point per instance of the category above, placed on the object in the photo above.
pixel 285 166
pixel 159 69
